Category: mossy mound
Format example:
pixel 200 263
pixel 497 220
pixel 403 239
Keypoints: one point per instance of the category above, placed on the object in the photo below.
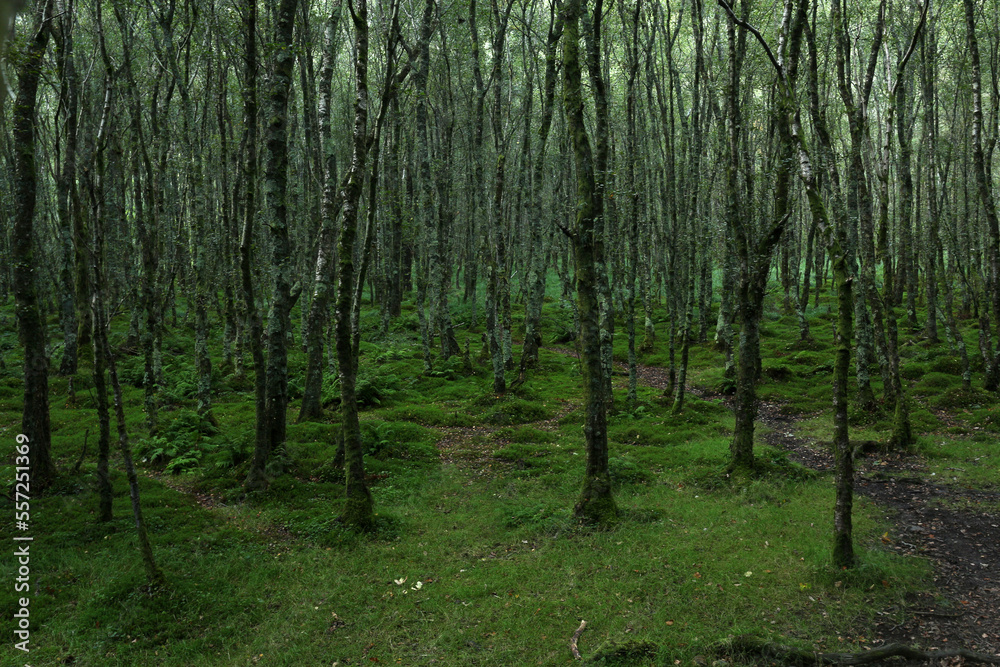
pixel 628 652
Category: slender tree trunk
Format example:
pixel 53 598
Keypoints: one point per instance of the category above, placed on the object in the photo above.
pixel 323 286
pixel 596 504
pixel 358 510
pixel 99 195
pixel 282 268
pixel 985 191
pixel 31 323
pixel 538 212
pixel 256 476
pixel 67 201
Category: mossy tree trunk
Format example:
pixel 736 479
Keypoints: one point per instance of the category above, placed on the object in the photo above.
pixel 426 236
pixel 358 510
pixel 843 550
pixel 146 222
pixel 631 25
pixel 592 24
pixel 859 199
pixel 192 150
pixel 984 188
pixel 754 248
pixel 99 337
pixel 256 477
pixel 596 503
pixel 31 323
pixel 693 183
pixel 67 198
pixel 928 51
pixel 902 434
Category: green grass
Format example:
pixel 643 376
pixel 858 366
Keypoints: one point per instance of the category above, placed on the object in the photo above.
pixel 505 573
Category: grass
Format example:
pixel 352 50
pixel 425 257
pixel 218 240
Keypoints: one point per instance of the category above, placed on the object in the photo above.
pixel 472 565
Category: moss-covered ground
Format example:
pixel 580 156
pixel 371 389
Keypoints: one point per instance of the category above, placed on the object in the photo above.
pixel 477 559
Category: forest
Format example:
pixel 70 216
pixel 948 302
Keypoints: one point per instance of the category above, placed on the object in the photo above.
pixel 500 332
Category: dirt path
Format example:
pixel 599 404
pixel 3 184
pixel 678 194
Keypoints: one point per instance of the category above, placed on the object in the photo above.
pixel 932 520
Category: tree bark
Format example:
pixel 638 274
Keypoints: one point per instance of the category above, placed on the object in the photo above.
pixel 323 286
pixel 256 479
pixel 31 324
pixel 991 359
pixel 596 503
pixel 358 510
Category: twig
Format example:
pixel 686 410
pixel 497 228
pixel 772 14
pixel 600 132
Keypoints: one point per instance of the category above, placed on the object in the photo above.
pixel 576 638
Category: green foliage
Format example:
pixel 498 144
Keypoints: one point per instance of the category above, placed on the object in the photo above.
pixel 537 516
pixel 957 398
pixel 913 370
pixel 490 534
pixel 371 388
pixel 184 439
pixel 401 440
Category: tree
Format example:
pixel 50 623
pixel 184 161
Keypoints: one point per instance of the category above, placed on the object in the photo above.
pixel 358 511
pixel 843 545
pixel 31 325
pixel 755 246
pixel 596 503
pixel 272 420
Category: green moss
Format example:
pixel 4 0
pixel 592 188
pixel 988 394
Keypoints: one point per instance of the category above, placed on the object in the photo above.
pixel 932 381
pixel 947 363
pixel 628 652
pixel 913 370
pixel 524 434
pixel 957 398
pixel 515 411
pixel 430 415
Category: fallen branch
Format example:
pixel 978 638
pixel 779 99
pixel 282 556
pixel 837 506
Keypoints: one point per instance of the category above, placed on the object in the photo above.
pixel 789 655
pixel 576 638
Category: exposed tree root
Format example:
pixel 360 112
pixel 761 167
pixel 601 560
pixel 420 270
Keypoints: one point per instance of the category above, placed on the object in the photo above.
pixel 751 646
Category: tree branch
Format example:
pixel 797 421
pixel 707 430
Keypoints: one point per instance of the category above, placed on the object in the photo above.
pixel 576 638
pixel 756 33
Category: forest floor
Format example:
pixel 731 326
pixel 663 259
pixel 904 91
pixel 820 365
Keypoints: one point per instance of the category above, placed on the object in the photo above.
pixel 956 528
pixel 478 559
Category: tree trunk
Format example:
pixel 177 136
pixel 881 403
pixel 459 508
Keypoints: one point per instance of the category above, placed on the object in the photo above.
pixel 31 323
pixel 596 504
pixel 256 479
pixel 323 288
pixel 358 510
pixel 985 191
pixel 99 195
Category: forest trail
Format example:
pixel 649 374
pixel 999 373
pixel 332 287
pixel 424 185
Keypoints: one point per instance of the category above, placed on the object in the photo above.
pixel 940 522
